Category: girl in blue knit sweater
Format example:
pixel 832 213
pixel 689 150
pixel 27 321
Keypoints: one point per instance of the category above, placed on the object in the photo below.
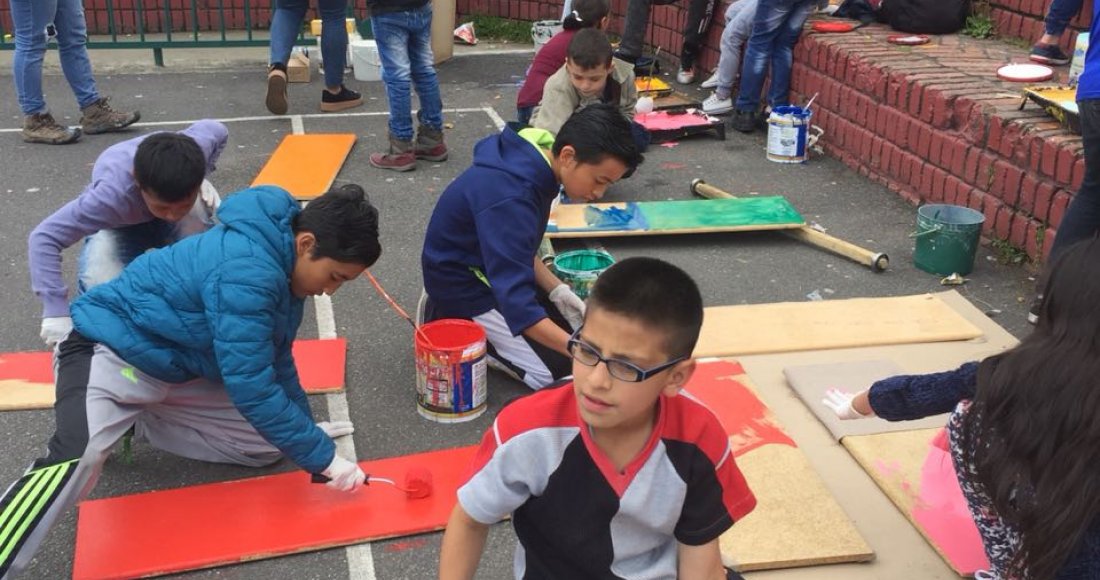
pixel 1024 431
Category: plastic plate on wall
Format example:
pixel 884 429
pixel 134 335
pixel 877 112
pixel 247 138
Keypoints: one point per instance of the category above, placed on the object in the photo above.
pixel 1025 73
pixel 907 39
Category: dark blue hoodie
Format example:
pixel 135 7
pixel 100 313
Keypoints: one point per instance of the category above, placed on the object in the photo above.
pixel 490 220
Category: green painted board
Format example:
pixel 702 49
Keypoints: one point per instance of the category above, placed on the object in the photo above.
pixel 672 217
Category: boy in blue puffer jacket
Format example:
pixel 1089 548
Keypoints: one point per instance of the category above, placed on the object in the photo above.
pixel 191 347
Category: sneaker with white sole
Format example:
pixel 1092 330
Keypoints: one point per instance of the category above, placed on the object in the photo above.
pixel 686 76
pixel 711 82
pixel 715 106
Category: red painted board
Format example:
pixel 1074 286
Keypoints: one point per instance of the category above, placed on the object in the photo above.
pixel 26 378
pixel 321 364
pixel 748 421
pixel 216 524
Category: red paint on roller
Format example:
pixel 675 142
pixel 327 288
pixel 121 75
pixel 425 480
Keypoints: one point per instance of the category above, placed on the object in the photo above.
pixel 418 483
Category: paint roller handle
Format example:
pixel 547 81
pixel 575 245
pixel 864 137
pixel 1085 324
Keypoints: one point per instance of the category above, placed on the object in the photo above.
pixel 322 478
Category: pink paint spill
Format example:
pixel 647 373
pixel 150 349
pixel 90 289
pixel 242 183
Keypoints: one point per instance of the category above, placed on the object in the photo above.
pixel 941 512
pixel 748 421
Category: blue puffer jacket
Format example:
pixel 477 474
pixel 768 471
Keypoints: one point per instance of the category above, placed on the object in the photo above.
pixel 219 306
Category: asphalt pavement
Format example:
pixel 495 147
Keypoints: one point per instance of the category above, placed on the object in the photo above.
pixel 479 91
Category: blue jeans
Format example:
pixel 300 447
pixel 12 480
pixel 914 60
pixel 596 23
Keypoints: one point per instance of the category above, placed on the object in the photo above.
pixel 1059 14
pixel 775 29
pixel 30 18
pixel 1082 218
pixel 405 48
pixel 334 34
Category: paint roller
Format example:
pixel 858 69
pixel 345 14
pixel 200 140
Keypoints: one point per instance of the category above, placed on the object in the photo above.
pixel 417 483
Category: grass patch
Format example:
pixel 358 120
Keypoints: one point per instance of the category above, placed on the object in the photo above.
pixel 496 29
pixel 1007 254
pixel 980 24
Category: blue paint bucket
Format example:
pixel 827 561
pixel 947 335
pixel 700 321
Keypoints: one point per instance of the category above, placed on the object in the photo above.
pixel 450 370
pixel 788 128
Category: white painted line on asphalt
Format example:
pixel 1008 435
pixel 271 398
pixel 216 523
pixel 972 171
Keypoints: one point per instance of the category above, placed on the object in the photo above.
pixel 360 562
pixel 494 116
pixel 274 118
pixel 296 125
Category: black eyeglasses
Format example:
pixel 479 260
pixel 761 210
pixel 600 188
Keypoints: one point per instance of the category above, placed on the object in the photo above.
pixel 587 355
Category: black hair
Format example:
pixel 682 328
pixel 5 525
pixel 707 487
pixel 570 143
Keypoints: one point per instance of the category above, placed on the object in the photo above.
pixel 1032 433
pixel 345 225
pixel 657 294
pixel 586 14
pixel 597 131
pixel 590 48
pixel 169 166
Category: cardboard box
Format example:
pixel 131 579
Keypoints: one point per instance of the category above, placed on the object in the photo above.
pixel 298 69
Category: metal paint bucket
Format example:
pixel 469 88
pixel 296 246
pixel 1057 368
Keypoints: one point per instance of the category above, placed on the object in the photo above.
pixel 788 128
pixel 543 30
pixel 450 370
pixel 580 268
pixel 947 239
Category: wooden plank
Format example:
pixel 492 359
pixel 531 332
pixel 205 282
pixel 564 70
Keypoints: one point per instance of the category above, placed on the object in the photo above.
pixel 810 382
pixel 306 165
pixel 672 217
pixel 797 522
pixel 827 324
pixel 26 378
pixel 202 526
pixel 915 470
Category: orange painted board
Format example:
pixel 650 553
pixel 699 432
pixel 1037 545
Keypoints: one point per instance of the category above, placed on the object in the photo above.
pixel 306 165
pixel 26 378
pixel 216 524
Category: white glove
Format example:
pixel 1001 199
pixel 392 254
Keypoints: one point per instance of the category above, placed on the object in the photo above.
pixel 841 403
pixel 344 475
pixel 55 329
pixel 569 304
pixel 209 196
pixel 336 429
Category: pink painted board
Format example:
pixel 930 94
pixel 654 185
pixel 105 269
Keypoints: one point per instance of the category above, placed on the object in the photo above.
pixel 216 524
pixel 664 121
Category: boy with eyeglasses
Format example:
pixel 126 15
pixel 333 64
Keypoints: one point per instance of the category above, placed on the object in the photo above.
pixel 613 475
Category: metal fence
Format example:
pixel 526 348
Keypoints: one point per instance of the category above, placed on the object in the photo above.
pixel 161 24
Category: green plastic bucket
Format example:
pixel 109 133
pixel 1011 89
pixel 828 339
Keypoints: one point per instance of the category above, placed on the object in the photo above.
pixel 580 268
pixel 947 239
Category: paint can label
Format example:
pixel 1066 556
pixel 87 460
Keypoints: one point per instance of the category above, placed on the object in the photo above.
pixel 787 131
pixel 451 388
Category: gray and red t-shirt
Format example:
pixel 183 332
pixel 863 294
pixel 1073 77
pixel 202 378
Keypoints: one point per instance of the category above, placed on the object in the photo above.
pixel 577 516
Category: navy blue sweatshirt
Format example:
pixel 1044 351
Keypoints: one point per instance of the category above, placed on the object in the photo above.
pixel 490 221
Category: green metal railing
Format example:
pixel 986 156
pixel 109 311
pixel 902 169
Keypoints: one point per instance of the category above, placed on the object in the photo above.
pixel 161 24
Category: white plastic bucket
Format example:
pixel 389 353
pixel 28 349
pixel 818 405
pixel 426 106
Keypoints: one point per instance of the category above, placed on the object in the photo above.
pixel 543 30
pixel 788 127
pixel 365 60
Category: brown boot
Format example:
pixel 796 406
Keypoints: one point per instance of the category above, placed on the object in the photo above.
pixel 99 117
pixel 400 158
pixel 41 128
pixel 429 144
pixel 276 100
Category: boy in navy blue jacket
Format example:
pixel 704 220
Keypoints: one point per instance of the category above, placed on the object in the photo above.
pixel 480 251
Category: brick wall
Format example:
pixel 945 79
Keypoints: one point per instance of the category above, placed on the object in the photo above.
pixel 1024 19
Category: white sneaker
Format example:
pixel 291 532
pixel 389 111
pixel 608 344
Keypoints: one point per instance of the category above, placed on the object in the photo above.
pixel 685 76
pixel 711 82
pixel 715 106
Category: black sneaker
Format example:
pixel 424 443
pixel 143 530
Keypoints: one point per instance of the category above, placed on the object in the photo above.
pixel 1048 54
pixel 345 99
pixel 1033 312
pixel 743 121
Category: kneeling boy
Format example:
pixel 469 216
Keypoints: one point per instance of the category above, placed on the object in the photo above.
pixel 480 251
pixel 191 347
pixel 614 475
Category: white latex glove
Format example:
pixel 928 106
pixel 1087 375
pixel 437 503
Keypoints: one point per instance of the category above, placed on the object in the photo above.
pixel 569 304
pixel 55 329
pixel 209 196
pixel 344 475
pixel 336 429
pixel 841 403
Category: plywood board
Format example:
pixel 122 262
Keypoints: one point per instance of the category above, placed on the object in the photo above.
pixel 209 525
pixel 810 382
pixel 674 101
pixel 914 469
pixel 796 521
pixel 306 165
pixel 26 378
pixel 794 326
pixel 652 86
pixel 672 217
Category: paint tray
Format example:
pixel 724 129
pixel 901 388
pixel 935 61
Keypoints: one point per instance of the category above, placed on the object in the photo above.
pixel 666 126
pixel 1059 102
pixel 652 87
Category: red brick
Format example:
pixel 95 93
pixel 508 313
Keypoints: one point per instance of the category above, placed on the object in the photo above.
pixel 1044 198
pixel 1018 233
pixel 1031 246
pixel 973 155
pixel 1058 207
pixel 1028 190
pixel 1063 170
pixel 924 139
pixel 1002 223
pixel 935 148
pixel 984 178
pixel 1078 174
pixel 993 142
pixel 957 149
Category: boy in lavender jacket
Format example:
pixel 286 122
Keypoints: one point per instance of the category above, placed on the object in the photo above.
pixel 145 193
